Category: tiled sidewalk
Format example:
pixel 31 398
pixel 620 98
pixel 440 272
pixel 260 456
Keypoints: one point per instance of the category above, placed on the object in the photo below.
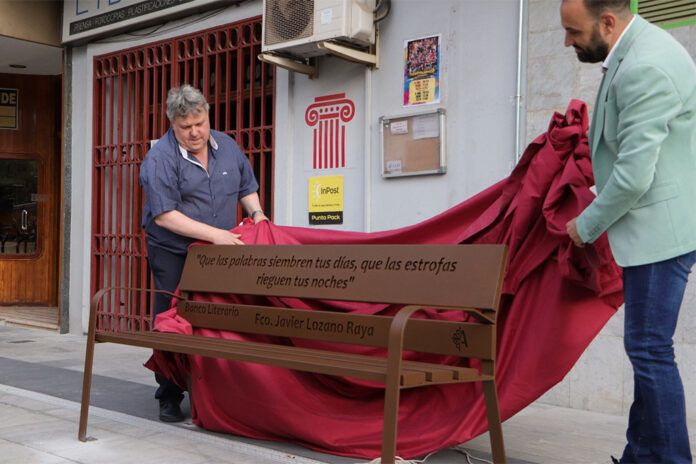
pixel 40 387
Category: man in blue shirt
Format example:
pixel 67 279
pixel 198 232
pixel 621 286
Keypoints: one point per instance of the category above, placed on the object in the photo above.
pixel 192 177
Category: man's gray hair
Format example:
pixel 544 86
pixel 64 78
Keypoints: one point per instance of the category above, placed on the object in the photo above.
pixel 184 100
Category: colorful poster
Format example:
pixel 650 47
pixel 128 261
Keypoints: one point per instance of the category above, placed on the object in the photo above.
pixel 325 200
pixel 422 71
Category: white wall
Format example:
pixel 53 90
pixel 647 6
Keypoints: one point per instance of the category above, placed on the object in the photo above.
pixel 478 84
pixel 479 46
pixel 602 379
pixel 293 160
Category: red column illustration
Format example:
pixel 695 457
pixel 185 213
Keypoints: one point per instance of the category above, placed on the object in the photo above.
pixel 328 115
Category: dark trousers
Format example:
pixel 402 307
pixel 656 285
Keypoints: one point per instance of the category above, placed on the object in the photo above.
pixel 657 430
pixel 166 269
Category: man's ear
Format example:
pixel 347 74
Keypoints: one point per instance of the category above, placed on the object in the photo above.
pixel 607 21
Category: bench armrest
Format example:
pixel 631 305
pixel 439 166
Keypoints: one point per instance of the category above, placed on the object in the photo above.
pixel 97 298
pixel 395 346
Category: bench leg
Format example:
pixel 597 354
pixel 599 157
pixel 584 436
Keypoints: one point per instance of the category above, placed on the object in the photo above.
pixel 392 388
pixel 86 389
pixel 391 416
pixel 89 361
pixel 495 428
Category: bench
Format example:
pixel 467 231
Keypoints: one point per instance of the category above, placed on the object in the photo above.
pixel 464 278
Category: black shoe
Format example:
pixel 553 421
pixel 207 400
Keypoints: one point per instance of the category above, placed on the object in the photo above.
pixel 614 460
pixel 169 411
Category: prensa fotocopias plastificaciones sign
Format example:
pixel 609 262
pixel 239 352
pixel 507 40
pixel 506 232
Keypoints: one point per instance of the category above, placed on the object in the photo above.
pixel 84 19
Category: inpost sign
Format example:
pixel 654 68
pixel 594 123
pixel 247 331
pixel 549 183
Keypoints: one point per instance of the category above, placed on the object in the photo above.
pixel 9 108
pixel 83 19
pixel 325 200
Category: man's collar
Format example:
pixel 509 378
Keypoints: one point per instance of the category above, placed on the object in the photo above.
pixel 192 159
pixel 211 141
pixel 607 61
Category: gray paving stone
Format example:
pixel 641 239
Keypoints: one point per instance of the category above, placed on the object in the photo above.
pixel 39 410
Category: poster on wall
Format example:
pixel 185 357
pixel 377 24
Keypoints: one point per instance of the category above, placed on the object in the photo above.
pixel 325 195
pixel 422 71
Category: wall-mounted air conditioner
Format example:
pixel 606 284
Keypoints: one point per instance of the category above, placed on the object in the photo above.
pixel 300 28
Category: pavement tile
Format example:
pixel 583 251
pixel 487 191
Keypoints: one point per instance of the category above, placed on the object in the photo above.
pixel 40 383
pixel 13 453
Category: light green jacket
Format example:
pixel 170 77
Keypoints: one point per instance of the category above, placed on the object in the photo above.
pixel 643 142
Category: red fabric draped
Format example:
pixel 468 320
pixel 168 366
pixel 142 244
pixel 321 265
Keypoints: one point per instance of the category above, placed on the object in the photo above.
pixel 556 299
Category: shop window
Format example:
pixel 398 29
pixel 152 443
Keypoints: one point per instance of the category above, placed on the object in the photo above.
pixel 19 180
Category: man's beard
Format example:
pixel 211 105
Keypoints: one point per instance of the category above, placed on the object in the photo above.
pixel 596 51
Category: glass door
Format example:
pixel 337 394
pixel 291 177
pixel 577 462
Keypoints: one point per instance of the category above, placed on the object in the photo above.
pixel 19 180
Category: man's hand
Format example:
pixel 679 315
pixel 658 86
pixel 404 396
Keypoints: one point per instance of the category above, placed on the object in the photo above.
pixel 252 205
pixel 225 237
pixel 181 224
pixel 258 217
pixel 572 229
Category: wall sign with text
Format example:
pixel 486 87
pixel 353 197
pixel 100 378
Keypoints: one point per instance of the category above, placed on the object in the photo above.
pixel 88 18
pixel 325 197
pixel 9 108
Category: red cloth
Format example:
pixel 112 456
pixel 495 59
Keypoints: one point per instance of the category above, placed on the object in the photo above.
pixel 556 299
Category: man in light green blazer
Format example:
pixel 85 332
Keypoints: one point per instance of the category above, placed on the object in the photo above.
pixel 643 145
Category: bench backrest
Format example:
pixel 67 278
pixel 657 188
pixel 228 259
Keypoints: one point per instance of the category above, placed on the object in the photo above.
pixel 456 276
pixel 459 277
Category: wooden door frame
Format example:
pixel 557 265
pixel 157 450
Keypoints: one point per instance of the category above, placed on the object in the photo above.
pixel 49 154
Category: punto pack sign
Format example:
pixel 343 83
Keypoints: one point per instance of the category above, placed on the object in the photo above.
pixel 325 200
pixel 9 108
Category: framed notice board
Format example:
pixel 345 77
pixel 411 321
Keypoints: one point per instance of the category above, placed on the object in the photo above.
pixel 413 144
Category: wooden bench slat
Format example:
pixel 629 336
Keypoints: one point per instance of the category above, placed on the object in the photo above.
pixel 434 373
pixel 459 276
pixel 250 352
pixel 422 335
pixel 361 366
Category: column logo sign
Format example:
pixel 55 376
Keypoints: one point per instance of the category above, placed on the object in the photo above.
pixel 9 108
pixel 328 115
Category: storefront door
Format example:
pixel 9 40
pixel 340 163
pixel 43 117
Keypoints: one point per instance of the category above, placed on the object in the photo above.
pixel 29 191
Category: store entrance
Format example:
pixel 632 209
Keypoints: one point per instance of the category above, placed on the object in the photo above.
pixel 30 170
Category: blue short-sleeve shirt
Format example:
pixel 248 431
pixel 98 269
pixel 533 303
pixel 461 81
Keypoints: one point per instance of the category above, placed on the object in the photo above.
pixel 175 180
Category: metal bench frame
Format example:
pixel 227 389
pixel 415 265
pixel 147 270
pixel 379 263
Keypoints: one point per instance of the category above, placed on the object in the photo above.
pixel 473 287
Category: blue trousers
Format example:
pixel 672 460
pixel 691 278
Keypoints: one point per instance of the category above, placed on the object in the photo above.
pixel 653 293
pixel 166 270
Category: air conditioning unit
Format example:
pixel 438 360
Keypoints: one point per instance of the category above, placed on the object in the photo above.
pixel 298 27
